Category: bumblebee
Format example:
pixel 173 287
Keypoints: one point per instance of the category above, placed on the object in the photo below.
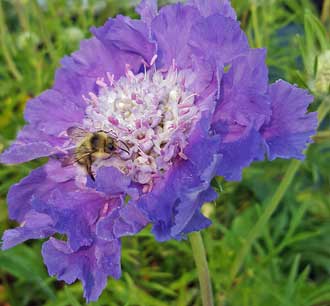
pixel 92 146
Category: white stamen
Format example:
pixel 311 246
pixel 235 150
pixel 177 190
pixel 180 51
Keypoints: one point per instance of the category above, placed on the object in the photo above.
pixel 153 60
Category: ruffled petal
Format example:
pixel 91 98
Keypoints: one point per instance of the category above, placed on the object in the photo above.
pixel 20 194
pixel 35 187
pixel 204 80
pixel 124 221
pixel 197 222
pixel 238 154
pixel 38 184
pixel 147 9
pixel 290 128
pixel 118 185
pixel 52 113
pixel 35 226
pixel 171 21
pixel 218 37
pixel 202 150
pixel 188 217
pixel 244 92
pixel 243 107
pixel 130 37
pixel 19 153
pixel 79 72
pixel 30 144
pixel 92 265
pixel 210 7
pixel 77 76
pixel 73 213
pixel 86 61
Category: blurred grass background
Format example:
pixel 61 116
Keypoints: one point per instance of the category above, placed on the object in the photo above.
pixel 270 241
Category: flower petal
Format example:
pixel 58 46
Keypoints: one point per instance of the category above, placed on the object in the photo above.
pixel 125 221
pixel 38 184
pixel 290 128
pixel 74 213
pixel 98 57
pixel 210 7
pixel 79 71
pixel 119 185
pixel 130 37
pixel 189 218
pixel 92 265
pixel 238 154
pixel 30 144
pixel 47 113
pixel 243 107
pixel 244 92
pixel 218 37
pixel 20 194
pixel 171 20
pixel 147 9
pixel 35 226
pixel 86 61
pixel 19 153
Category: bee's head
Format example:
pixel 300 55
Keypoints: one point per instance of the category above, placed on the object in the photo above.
pixel 110 145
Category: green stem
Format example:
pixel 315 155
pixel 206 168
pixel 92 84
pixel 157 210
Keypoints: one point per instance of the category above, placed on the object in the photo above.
pixel 272 205
pixel 198 250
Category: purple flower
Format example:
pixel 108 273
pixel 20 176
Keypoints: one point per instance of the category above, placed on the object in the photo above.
pixel 165 103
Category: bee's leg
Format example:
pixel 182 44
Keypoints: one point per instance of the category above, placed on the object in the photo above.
pixel 89 167
pixel 108 157
pixel 121 145
pixel 126 147
pixel 92 176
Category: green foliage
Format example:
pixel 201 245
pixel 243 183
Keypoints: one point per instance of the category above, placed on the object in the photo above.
pixel 269 243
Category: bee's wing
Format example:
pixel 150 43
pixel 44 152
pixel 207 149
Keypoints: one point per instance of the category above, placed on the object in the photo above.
pixel 77 134
pixel 67 158
pixel 72 158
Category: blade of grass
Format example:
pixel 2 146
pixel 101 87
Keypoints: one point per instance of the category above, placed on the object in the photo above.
pixel 325 11
pixel 255 24
pixel 9 61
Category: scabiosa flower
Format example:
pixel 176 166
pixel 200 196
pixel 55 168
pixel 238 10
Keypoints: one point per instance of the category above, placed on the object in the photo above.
pixel 185 99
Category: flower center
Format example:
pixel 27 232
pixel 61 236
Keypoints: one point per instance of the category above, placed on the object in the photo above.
pixel 152 113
